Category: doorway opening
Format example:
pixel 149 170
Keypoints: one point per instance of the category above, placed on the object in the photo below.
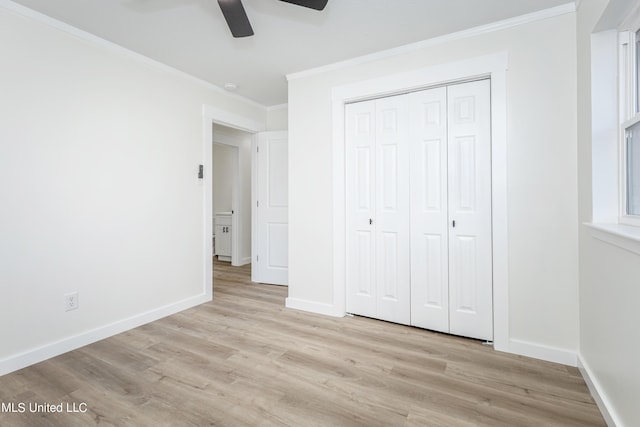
pixel 230 130
pixel 231 195
pixel 237 139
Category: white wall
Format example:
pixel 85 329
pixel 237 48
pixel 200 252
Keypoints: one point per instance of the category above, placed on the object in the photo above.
pixel 224 165
pixel 609 319
pixel 542 169
pixel 228 137
pixel 609 284
pixel 277 117
pixel 99 192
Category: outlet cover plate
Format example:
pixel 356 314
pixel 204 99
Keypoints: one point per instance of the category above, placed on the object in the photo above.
pixel 70 301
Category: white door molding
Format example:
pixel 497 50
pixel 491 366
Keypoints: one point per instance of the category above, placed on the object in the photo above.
pixel 493 66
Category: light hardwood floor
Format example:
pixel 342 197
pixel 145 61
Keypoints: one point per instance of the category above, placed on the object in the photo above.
pixel 245 360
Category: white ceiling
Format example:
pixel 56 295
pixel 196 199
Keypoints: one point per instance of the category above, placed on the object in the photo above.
pixel 192 35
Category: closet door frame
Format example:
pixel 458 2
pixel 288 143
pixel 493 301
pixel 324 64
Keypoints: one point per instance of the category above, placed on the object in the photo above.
pixel 492 66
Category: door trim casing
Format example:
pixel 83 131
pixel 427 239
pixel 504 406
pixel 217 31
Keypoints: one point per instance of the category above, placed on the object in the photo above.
pixel 493 66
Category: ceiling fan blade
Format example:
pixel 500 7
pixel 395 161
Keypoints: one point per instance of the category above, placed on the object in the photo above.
pixel 236 17
pixel 311 4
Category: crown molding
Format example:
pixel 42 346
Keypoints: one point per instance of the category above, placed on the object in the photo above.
pixel 114 47
pixel 471 32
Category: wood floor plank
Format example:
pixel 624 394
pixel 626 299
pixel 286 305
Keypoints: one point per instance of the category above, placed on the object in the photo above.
pixel 245 360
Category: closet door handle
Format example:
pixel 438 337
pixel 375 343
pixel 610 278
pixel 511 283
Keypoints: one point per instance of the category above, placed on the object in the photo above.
pixel 453 223
pixel 370 221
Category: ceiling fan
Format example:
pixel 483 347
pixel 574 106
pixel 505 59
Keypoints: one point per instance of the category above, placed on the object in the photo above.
pixel 238 22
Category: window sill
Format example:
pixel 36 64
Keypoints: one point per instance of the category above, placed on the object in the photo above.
pixel 623 236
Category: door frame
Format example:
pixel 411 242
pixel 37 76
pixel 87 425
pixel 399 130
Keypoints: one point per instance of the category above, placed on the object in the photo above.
pixel 211 115
pixel 493 66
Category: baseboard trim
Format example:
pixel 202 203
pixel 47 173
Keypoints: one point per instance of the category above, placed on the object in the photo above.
pixel 543 352
pixel 313 307
pixel 244 261
pixel 523 348
pixel 47 351
pixel 606 409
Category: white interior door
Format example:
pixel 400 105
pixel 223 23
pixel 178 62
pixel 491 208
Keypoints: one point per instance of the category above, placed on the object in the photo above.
pixel 390 222
pixel 418 172
pixel 271 225
pixel 451 250
pixel 429 210
pixel 378 241
pixel 470 245
pixel 361 200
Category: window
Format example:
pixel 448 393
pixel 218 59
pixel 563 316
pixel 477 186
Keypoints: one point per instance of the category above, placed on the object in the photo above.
pixel 630 124
pixel 636 75
pixel 615 120
pixel 632 152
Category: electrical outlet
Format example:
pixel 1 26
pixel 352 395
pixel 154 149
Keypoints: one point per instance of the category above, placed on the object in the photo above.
pixel 71 301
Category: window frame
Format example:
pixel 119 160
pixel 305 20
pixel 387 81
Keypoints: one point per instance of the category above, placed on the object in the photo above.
pixel 629 105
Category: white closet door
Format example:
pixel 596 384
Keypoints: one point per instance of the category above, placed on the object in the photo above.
pixel 361 197
pixel 378 275
pixel 429 210
pixel 391 221
pixel 418 170
pixel 470 246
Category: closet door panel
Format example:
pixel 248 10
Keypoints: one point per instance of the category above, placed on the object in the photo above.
pixel 361 199
pixel 470 247
pixel 429 230
pixel 419 247
pixel 392 209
